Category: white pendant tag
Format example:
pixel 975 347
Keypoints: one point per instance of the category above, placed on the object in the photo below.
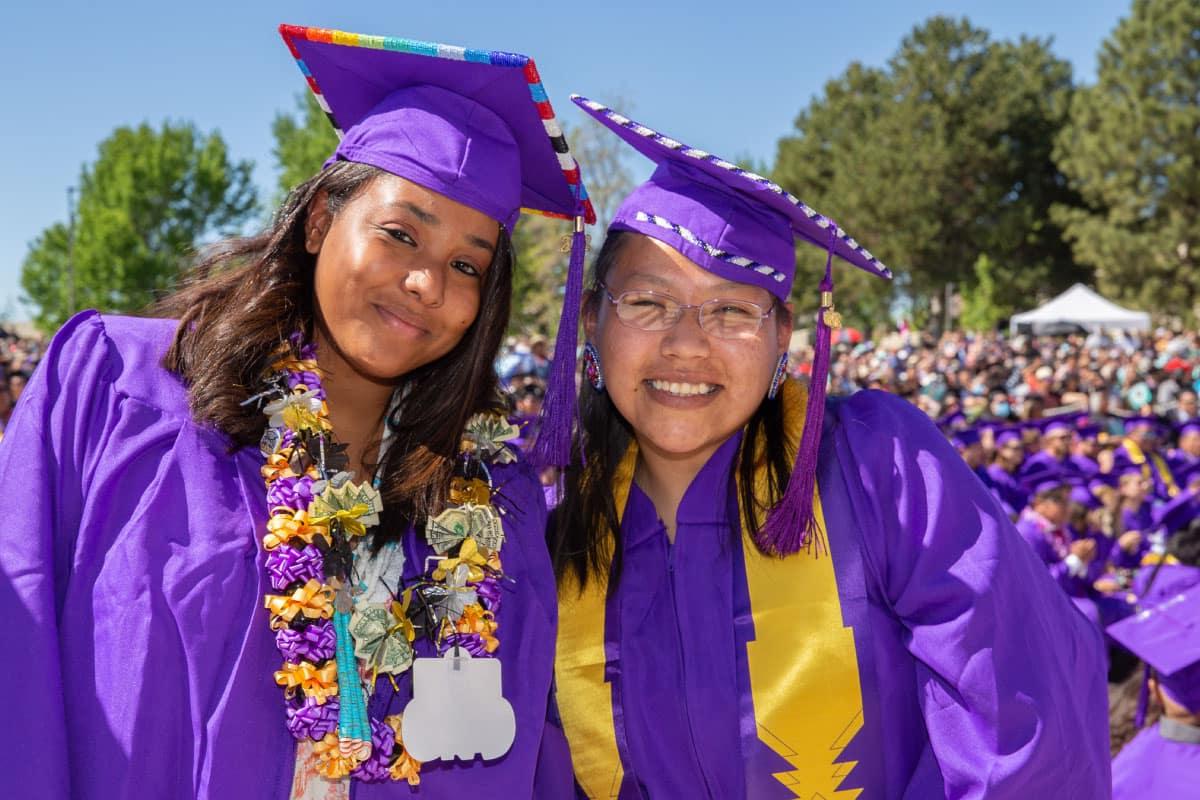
pixel 457 710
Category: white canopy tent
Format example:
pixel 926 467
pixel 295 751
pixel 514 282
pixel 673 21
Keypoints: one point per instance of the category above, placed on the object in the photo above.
pixel 1080 306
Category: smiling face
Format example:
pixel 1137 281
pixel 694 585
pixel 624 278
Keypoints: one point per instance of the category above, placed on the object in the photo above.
pixel 398 275
pixel 683 390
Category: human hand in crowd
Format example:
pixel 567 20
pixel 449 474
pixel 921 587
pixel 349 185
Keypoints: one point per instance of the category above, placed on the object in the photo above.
pixel 1107 585
pixel 1084 550
pixel 1129 541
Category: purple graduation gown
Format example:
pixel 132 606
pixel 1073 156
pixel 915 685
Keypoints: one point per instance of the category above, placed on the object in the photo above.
pixel 1142 520
pixel 1007 489
pixel 133 593
pixel 1161 763
pixel 977 677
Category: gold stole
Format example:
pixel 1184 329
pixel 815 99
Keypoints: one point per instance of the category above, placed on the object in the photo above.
pixel 1164 473
pixel 803 665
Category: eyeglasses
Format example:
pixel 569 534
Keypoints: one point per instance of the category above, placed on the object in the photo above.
pixel 654 311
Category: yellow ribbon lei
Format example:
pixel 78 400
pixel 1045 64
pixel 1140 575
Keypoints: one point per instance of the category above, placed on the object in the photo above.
pixel 312 600
pixel 319 683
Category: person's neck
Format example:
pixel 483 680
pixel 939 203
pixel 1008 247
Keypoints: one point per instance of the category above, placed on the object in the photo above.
pixel 665 478
pixel 356 406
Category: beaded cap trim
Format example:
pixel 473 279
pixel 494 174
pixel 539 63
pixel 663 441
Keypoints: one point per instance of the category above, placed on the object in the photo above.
pixel 709 158
pixel 495 58
pixel 715 252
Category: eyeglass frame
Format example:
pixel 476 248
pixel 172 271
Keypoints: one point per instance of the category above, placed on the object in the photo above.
pixel 687 306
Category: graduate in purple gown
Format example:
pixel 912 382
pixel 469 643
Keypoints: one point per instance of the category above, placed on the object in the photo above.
pixel 1163 761
pixel 1010 454
pixel 1057 437
pixel 1043 526
pixel 1185 457
pixel 1085 449
pixel 1138 529
pixel 1140 448
pixel 237 524
pixel 765 595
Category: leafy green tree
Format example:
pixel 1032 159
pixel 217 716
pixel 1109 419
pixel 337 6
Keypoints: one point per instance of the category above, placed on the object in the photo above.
pixel 302 143
pixel 941 156
pixel 1132 150
pixel 148 200
pixel 981 308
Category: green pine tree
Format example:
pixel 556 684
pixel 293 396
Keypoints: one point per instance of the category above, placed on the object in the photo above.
pixel 1132 150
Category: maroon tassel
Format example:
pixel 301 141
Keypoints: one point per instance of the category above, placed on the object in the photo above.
pixel 557 420
pixel 791 525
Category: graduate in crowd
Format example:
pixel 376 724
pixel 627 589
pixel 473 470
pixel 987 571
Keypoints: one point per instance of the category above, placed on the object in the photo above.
pixel 1043 526
pixel 1057 438
pixel 1186 455
pixel 1085 450
pixel 1163 761
pixel 1140 448
pixel 765 595
pixel 237 524
pixel 1137 537
pixel 1002 472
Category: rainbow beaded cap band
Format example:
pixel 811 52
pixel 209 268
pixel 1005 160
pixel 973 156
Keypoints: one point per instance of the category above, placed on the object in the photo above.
pixel 333 645
pixel 293 34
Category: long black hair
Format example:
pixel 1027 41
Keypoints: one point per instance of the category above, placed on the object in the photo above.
pixel 584 534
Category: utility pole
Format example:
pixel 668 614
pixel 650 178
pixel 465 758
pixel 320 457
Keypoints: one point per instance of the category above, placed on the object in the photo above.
pixel 70 250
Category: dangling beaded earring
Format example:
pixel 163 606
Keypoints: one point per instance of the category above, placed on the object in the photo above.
pixel 777 378
pixel 591 366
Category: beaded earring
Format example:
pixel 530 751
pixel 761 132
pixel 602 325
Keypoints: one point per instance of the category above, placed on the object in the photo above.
pixel 591 366
pixel 777 378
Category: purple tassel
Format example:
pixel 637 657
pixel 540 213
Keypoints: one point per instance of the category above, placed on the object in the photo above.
pixel 553 445
pixel 791 525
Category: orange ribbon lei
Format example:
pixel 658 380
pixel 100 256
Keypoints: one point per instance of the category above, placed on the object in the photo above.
pixel 285 525
pixel 332 761
pixel 319 683
pixel 405 767
pixel 475 619
pixel 312 600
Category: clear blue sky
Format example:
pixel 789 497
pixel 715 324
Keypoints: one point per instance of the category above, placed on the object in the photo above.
pixel 728 77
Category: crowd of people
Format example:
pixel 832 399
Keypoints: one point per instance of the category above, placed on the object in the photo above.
pixel 18 357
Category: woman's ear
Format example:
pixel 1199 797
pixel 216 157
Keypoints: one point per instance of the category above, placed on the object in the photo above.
pixel 783 326
pixel 316 223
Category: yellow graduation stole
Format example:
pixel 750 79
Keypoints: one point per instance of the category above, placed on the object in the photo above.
pixel 1164 472
pixel 803 665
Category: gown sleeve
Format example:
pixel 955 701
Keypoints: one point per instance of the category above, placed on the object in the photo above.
pixel 56 428
pixel 1010 676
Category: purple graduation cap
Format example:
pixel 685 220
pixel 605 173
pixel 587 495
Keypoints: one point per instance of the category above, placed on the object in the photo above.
pixel 1044 478
pixel 1008 434
pixel 1058 424
pixel 1081 493
pixel 1177 513
pixel 1132 424
pixel 741 227
pixel 473 125
pixel 1166 635
pixel 1187 426
pixel 964 438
